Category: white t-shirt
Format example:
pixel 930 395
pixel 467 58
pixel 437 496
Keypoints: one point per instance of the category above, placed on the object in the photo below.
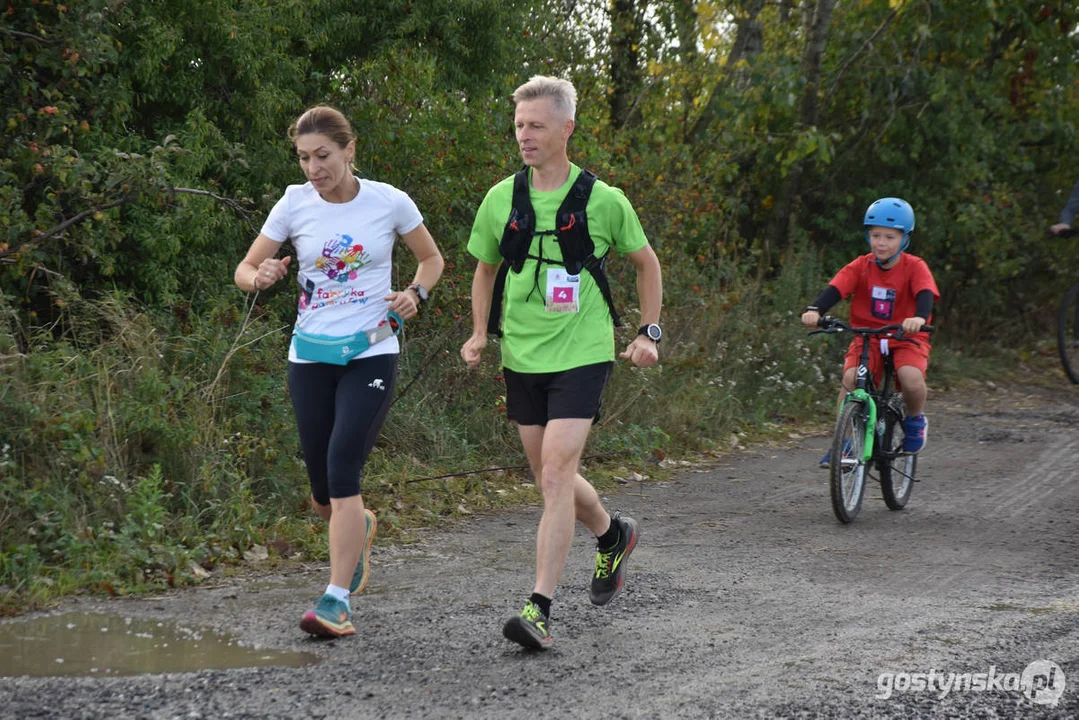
pixel 344 252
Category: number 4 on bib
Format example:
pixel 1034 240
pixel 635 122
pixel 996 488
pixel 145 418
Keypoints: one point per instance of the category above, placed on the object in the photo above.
pixel 562 290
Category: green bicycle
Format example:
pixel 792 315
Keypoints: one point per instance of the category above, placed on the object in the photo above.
pixel 868 432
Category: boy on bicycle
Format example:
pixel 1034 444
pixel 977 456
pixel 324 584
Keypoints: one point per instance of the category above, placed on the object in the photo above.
pixel 888 286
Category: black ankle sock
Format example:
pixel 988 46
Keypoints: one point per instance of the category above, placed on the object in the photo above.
pixel 610 538
pixel 543 602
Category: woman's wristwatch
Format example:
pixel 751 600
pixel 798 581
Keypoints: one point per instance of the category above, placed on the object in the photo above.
pixel 420 290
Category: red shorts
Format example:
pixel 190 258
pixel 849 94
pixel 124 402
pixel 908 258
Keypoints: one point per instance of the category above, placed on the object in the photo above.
pixel 903 353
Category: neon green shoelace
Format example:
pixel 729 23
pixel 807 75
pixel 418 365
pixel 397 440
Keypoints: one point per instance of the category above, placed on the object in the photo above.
pixel 531 612
pixel 603 564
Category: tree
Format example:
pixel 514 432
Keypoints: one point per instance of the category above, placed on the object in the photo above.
pixel 625 39
pixel 112 109
pixel 817 16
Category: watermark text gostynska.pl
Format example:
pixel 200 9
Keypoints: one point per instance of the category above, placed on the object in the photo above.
pixel 1042 682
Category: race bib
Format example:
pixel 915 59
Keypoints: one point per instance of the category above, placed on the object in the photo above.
pixel 562 290
pixel 883 303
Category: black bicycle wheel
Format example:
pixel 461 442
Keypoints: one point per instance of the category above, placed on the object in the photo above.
pixel 1068 333
pixel 897 474
pixel 848 471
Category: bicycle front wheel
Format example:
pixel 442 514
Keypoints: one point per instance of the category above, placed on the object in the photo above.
pixel 848 470
pixel 897 474
pixel 1068 333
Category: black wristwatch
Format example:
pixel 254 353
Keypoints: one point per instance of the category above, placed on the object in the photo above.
pixel 420 290
pixel 652 332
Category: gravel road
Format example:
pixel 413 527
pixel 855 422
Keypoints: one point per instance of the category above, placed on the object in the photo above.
pixel 744 598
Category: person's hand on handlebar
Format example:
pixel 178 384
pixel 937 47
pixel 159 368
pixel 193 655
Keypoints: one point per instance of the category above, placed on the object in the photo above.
pixel 1059 228
pixel 810 318
pixel 913 324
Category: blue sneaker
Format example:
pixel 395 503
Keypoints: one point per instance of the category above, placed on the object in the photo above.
pixel 915 429
pixel 826 461
pixel 363 567
pixel 331 618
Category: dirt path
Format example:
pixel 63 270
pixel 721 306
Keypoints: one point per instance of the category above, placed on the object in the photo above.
pixel 744 598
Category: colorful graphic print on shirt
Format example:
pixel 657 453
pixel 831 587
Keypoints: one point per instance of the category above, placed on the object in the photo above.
pixel 341 259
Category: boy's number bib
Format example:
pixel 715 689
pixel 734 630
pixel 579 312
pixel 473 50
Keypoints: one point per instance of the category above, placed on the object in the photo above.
pixel 883 303
pixel 562 290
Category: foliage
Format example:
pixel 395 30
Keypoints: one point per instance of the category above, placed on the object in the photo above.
pixel 147 425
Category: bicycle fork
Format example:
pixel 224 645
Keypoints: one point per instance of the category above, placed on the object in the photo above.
pixel 859 395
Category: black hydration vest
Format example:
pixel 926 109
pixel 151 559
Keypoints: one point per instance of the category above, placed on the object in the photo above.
pixel 571 233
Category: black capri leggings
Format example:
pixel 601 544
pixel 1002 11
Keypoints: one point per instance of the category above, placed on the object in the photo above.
pixel 339 413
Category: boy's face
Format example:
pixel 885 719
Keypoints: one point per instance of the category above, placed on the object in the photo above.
pixel 884 241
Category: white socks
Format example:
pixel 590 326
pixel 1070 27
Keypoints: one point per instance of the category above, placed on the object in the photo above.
pixel 338 592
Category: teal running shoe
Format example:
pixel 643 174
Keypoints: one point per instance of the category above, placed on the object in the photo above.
pixel 363 567
pixel 331 618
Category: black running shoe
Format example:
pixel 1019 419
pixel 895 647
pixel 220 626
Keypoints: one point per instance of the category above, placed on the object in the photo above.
pixel 529 628
pixel 611 563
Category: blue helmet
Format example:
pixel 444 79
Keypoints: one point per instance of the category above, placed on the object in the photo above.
pixel 890 212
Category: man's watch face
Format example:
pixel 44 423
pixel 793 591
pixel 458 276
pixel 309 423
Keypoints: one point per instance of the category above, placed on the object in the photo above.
pixel 654 333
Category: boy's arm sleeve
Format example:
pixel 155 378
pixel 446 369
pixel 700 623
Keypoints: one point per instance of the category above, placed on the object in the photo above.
pixel 827 299
pixel 923 307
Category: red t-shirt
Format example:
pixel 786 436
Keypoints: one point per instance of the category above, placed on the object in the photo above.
pixel 883 297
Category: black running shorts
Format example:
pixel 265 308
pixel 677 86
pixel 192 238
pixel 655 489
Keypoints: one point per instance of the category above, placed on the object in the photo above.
pixel 535 398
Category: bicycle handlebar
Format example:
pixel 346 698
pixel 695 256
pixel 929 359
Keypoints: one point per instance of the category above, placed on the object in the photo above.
pixel 831 325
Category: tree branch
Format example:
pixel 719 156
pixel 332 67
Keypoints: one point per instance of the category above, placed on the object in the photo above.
pixel 27 36
pixel 73 220
pixel 857 53
pixel 76 219
pixel 234 204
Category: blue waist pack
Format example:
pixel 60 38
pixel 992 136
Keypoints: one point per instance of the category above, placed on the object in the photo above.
pixel 337 350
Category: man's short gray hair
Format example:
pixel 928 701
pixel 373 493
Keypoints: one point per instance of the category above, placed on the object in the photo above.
pixel 560 91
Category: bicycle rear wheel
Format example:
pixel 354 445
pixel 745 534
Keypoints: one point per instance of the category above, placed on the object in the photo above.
pixel 848 471
pixel 897 474
pixel 1068 333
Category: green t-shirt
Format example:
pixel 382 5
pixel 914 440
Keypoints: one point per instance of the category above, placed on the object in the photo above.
pixel 535 340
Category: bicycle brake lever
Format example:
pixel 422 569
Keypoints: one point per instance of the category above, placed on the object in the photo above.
pixel 900 336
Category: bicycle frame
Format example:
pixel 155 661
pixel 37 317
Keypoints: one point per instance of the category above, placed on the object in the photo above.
pixel 865 390
pixel 862 395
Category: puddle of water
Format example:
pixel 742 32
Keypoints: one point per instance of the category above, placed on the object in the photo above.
pixel 110 645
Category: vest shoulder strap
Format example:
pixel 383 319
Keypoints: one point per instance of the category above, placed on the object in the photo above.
pixel 576 199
